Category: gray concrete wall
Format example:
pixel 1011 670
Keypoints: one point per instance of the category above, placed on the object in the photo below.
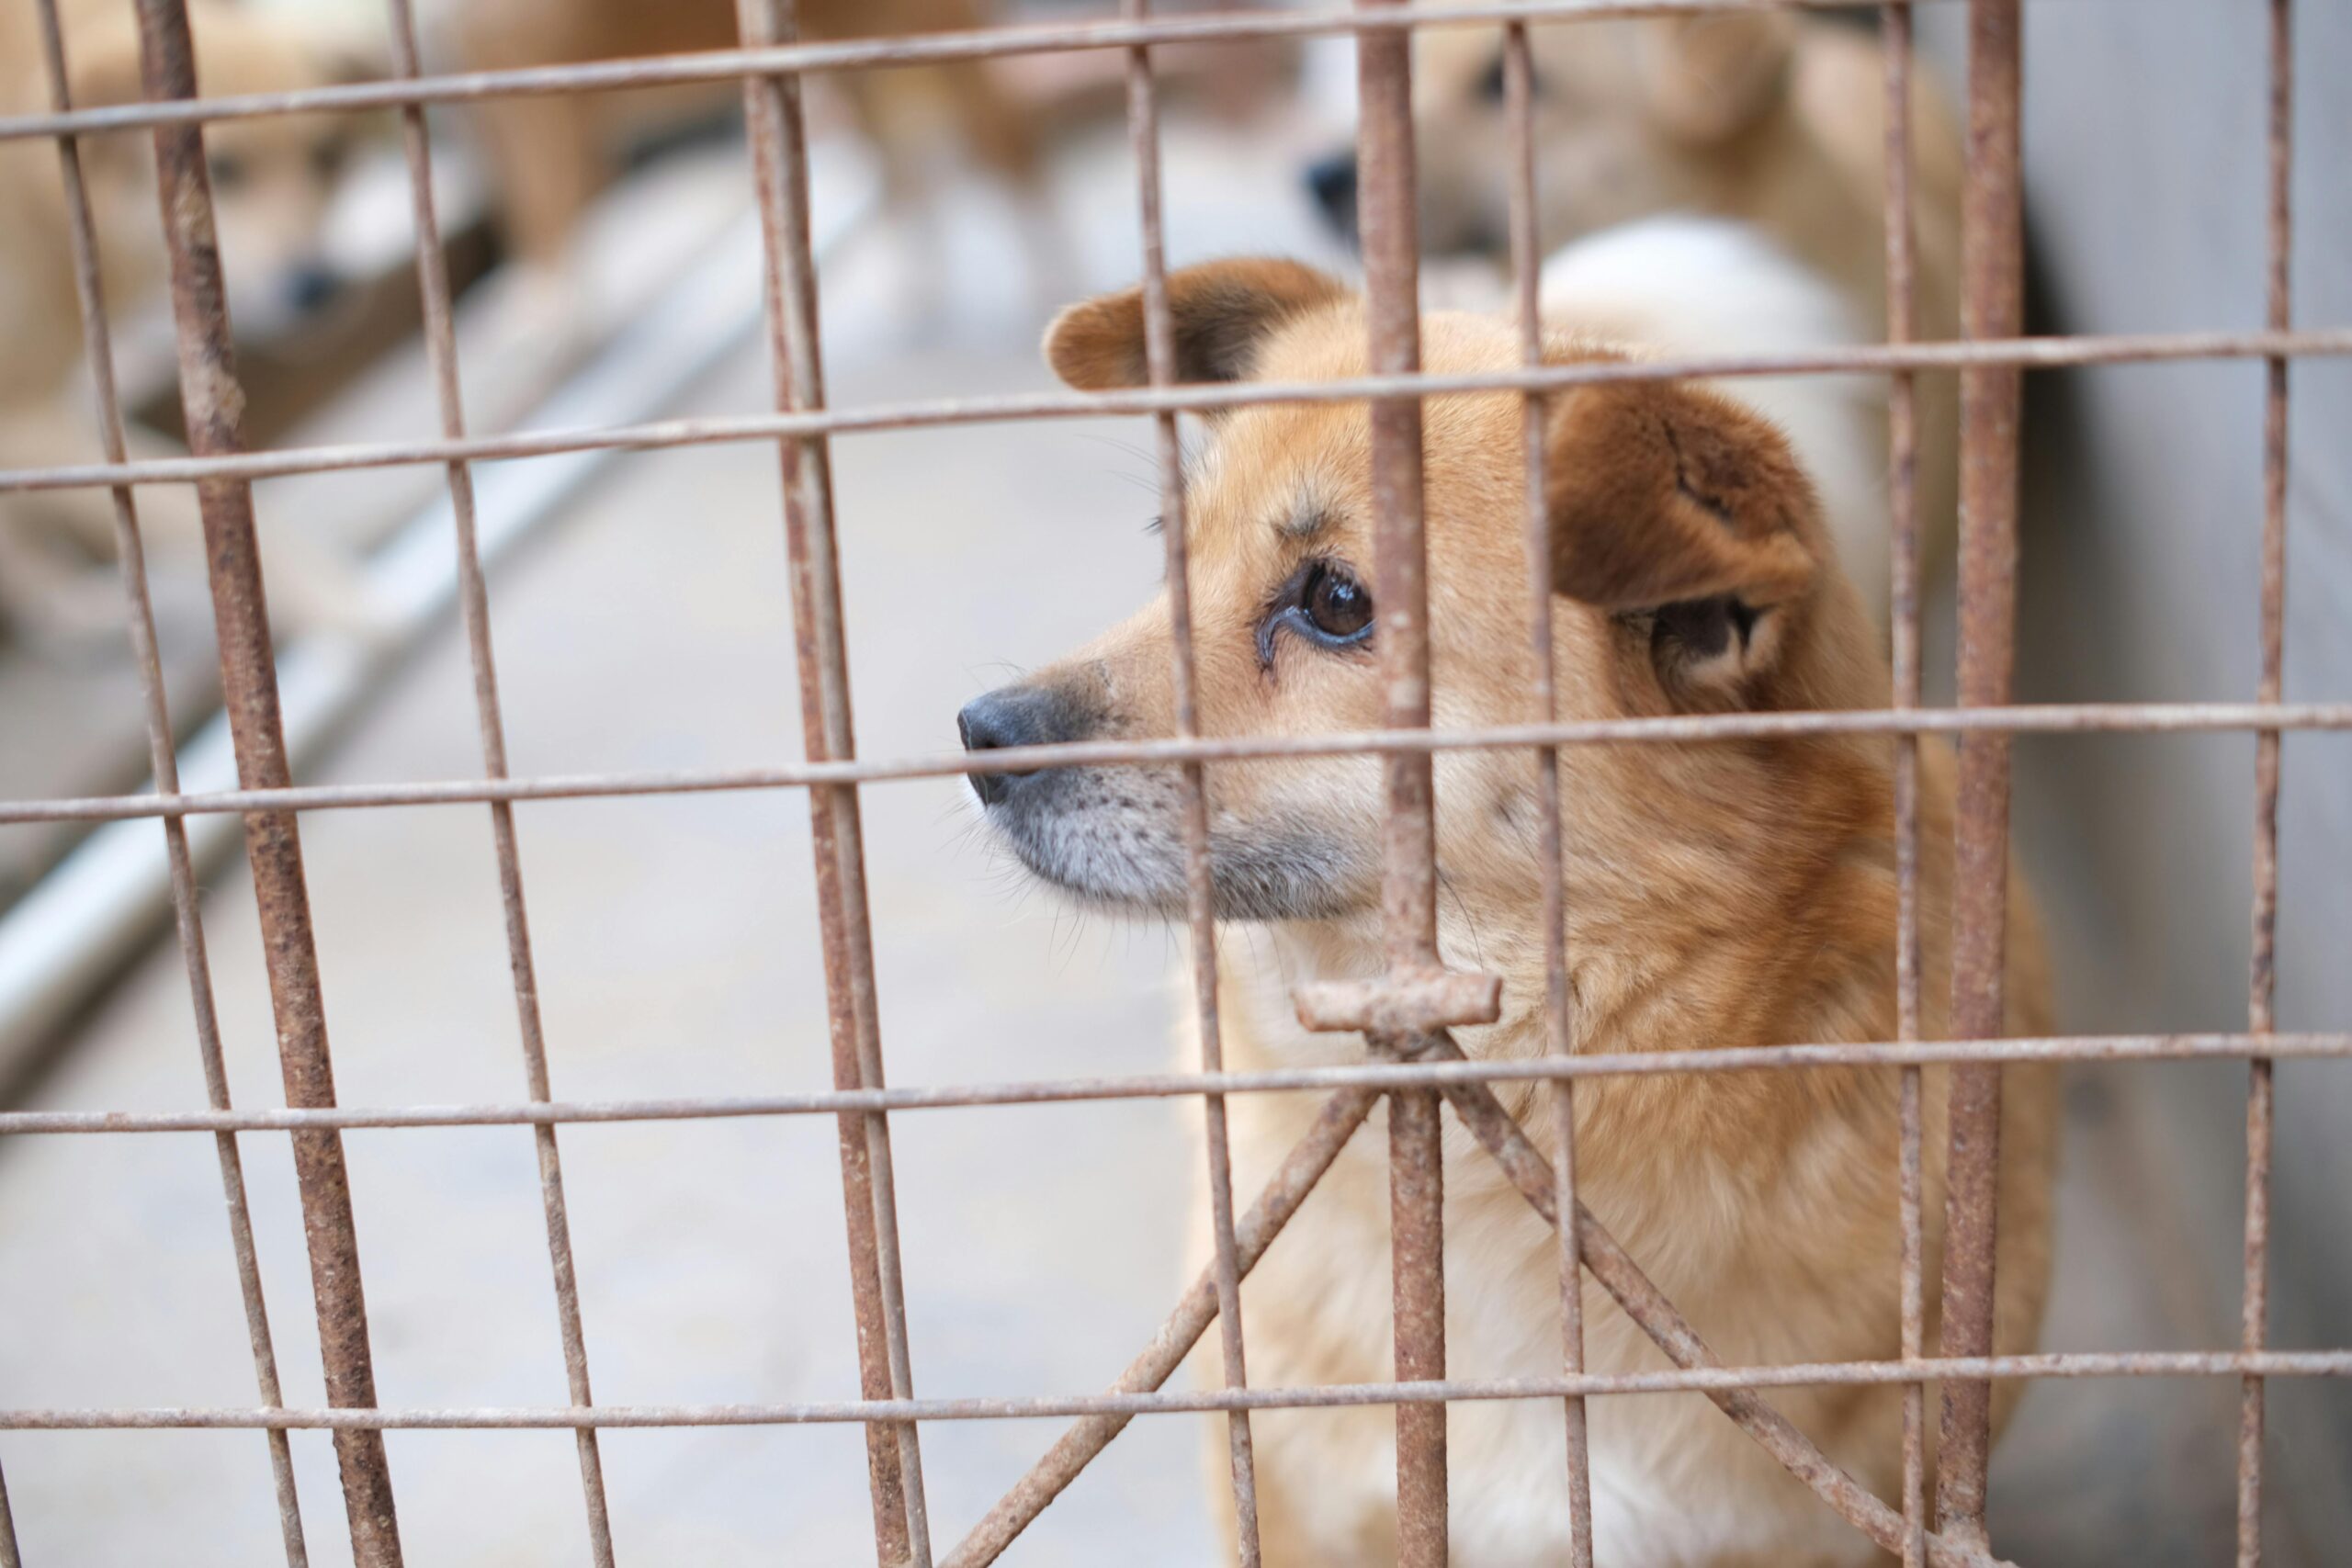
pixel 2144 144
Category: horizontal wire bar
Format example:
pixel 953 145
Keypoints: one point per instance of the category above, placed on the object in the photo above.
pixel 928 49
pixel 2029 352
pixel 1160 1085
pixel 1679 1380
pixel 2052 719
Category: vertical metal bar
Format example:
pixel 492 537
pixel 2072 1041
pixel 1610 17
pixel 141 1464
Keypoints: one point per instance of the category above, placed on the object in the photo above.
pixel 780 171
pixel 473 597
pixel 10 1557
pixel 1200 907
pixel 1903 473
pixel 1991 306
pixel 2262 985
pixel 1415 1197
pixel 212 402
pixel 1392 311
pixel 98 349
pixel 1408 900
pixel 1519 101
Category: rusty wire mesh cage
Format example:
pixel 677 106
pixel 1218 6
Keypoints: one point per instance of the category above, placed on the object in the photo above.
pixel 1405 1017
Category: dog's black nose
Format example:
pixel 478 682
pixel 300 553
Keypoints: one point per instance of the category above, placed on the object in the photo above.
pixel 309 286
pixel 1332 182
pixel 1012 716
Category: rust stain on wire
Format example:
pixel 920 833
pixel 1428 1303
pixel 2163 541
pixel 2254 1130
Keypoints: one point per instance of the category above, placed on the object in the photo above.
pixel 2262 979
pixel 2045 354
pixel 1903 495
pixel 1117 1408
pixel 163 758
pixel 2053 718
pixel 1156 1085
pixel 1519 96
pixel 719 65
pixel 1389 240
pixel 213 402
pixel 473 597
pixel 1200 907
pixel 869 1195
pixel 1992 305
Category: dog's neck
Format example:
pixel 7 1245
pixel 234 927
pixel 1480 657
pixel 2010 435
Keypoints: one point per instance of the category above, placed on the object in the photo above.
pixel 1650 968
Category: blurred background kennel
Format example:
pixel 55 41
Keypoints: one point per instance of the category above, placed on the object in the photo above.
pixel 641 623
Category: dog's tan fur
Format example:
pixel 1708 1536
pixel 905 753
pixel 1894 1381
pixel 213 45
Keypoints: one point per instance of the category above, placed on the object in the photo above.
pixel 273 179
pixel 1726 894
pixel 551 155
pixel 1768 117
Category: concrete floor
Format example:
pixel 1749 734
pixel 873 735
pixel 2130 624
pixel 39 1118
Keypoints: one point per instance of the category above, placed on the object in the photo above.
pixel 677 944
pixel 677 954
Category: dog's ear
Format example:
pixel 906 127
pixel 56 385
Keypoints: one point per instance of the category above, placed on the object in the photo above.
pixel 1221 313
pixel 1709 77
pixel 1685 516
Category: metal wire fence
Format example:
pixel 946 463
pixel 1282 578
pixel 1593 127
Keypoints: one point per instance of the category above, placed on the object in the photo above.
pixel 1405 1016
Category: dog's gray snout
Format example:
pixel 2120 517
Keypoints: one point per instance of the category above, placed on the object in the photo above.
pixel 1332 182
pixel 1012 716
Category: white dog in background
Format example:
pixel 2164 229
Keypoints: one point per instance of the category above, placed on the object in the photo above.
pixel 1687 286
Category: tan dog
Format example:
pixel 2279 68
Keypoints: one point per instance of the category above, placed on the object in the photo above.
pixel 1771 118
pixel 272 179
pixel 1717 895
pixel 551 155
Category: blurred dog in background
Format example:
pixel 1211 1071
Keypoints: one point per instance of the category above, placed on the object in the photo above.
pixel 551 155
pixel 272 177
pixel 1769 119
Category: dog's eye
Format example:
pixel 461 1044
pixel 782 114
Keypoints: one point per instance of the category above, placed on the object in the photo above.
pixel 1323 603
pixel 327 157
pixel 228 171
pixel 1337 605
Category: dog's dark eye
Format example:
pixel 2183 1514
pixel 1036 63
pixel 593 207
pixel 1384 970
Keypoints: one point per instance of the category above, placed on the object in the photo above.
pixel 327 157
pixel 228 171
pixel 1338 604
pixel 1322 602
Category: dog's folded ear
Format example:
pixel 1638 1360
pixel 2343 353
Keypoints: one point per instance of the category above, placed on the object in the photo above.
pixel 1220 311
pixel 1686 515
pixel 1709 77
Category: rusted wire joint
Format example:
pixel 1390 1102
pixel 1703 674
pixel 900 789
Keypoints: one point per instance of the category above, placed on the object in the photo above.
pixel 1397 1006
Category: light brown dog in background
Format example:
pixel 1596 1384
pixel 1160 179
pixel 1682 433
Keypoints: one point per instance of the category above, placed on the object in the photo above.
pixel 272 180
pixel 1717 895
pixel 1768 118
pixel 551 155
